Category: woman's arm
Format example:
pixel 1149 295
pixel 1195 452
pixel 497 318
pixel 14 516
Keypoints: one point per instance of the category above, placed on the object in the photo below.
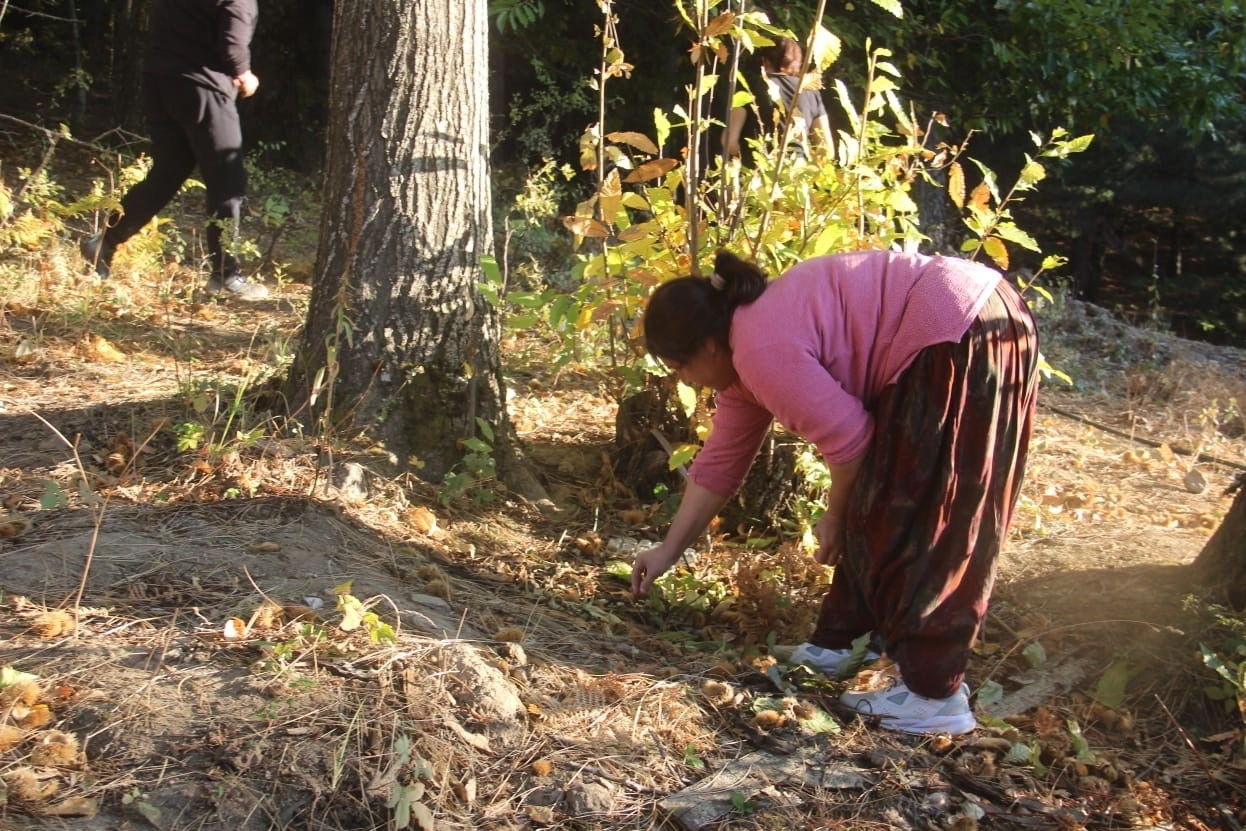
pixel 731 136
pixel 830 530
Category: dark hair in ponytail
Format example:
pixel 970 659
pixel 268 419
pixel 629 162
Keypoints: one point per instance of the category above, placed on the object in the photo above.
pixel 683 313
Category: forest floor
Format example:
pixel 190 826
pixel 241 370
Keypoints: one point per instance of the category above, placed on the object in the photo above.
pixel 258 633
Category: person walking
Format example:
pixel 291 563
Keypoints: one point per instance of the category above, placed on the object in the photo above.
pixel 197 65
pixel 782 63
pixel 916 379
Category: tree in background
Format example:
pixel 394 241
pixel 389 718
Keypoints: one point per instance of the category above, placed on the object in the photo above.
pixel 398 341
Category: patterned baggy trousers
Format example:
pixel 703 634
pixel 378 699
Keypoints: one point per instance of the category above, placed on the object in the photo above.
pixel 933 500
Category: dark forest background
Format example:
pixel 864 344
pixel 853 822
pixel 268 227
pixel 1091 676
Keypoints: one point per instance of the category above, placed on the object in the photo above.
pixel 1150 218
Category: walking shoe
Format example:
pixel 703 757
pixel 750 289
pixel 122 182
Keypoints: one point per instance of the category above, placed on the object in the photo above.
pixel 899 708
pixel 829 661
pixel 98 253
pixel 236 286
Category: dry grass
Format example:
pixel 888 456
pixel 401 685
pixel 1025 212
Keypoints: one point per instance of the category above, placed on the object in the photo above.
pixel 205 680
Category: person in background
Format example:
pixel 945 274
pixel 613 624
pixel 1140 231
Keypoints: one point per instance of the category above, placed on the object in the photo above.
pixel 781 65
pixel 916 379
pixel 197 65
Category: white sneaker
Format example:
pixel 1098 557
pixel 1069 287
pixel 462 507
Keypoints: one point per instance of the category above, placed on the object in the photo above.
pixel 827 661
pixel 899 708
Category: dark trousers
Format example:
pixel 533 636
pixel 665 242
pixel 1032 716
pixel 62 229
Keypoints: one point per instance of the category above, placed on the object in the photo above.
pixel 934 497
pixel 191 126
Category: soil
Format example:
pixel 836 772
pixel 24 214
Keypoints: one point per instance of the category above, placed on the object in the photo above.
pixel 206 632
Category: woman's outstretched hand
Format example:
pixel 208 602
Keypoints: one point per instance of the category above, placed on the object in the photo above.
pixel 649 566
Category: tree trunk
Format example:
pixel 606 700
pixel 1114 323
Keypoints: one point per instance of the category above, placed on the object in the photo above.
pixel 1222 562
pixel 398 340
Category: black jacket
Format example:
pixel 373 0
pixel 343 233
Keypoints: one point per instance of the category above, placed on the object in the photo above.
pixel 208 41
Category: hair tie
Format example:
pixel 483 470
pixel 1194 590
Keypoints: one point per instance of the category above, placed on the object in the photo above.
pixel 717 281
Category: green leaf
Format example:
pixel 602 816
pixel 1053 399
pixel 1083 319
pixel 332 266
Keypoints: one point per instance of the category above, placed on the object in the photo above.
pixel 53 496
pixel 856 658
pixel 1031 175
pixel 900 202
pixel 692 760
pixel 888 67
pixel 1034 654
pixel 821 722
pixel 10 676
pixel 826 48
pixel 1081 747
pixel 619 569
pixel 635 201
pixel 403 801
pixel 662 126
pixel 992 692
pixel 1018 754
pixel 489 265
pixel 1110 691
pixel 1015 235
pixel 521 321
pixel 707 84
pixel 682 454
pixel 881 85
pixel 150 812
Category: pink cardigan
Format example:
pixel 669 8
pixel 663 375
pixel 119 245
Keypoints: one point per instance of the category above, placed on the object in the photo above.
pixel 820 344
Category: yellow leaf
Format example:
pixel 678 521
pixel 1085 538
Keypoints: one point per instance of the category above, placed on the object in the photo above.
pixel 980 199
pixel 956 184
pixel 588 150
pixel 651 170
pixel 633 139
pixel 610 196
pixel 634 233
pixel 720 24
pixel 585 227
pixel 352 612
pixel 102 350
pixel 997 251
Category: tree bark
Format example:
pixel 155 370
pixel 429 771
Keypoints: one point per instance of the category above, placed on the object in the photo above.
pixel 398 340
pixel 1222 562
